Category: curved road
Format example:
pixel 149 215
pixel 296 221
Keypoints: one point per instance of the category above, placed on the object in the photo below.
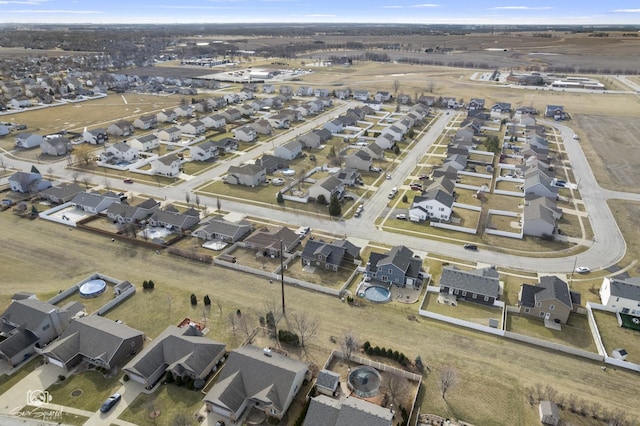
pixel 607 249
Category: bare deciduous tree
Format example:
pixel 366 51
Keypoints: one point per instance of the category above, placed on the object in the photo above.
pixel 306 326
pixel 86 182
pixel 348 345
pixel 396 87
pixel 396 385
pixel 447 378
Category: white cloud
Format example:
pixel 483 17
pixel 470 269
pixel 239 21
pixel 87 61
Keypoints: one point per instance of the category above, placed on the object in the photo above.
pixel 626 11
pixel 319 16
pixel 423 5
pixel 520 8
pixel 33 2
pixel 56 11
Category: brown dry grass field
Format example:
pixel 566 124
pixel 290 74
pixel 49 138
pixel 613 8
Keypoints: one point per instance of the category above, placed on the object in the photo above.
pixel 494 370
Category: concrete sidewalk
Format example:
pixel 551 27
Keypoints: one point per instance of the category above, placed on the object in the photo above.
pixel 19 395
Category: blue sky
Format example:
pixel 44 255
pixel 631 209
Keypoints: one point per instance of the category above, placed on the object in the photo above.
pixel 492 12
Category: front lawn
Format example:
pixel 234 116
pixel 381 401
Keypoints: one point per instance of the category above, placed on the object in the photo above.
pixel 86 390
pixel 176 405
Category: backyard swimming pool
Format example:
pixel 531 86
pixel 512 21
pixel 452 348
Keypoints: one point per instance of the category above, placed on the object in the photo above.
pixel 376 293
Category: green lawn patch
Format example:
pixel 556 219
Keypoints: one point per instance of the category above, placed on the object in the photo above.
pixel 7 382
pixel 614 336
pixel 574 333
pixel 173 403
pixel 467 311
pixel 49 415
pixel 93 386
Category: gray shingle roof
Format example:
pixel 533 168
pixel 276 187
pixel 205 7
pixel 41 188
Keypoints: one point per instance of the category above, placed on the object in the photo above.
pixel 399 256
pixel 325 411
pixel 328 379
pixel 481 281
pixel 628 289
pixel 248 373
pixel 549 288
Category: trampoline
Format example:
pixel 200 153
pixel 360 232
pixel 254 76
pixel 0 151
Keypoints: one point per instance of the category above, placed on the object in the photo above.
pixel 365 381
pixel 93 288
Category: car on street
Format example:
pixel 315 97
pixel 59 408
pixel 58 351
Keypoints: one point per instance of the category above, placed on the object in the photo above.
pixel 393 193
pixel 583 270
pixel 357 214
pixel 423 177
pixel 471 247
pixel 127 180
pixel 401 216
pixel 110 402
pixel 303 230
pixel 389 176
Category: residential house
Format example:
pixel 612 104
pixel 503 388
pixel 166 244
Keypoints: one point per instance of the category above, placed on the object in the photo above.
pixel 232 98
pixel 96 341
pixel 330 256
pixel 434 204
pixel 171 134
pixel 279 121
pixel 361 95
pixel 550 300
pixel 289 150
pixel 336 125
pixel 385 141
pixel 268 88
pixel 28 140
pixel 226 145
pixel 119 152
pixel 539 216
pixel 537 183
pixel 404 124
pixel 621 295
pixel 382 96
pixel 125 213
pixel 231 115
pixel 427 100
pixel 95 136
pixel 245 109
pixel 30 323
pixel 56 145
pixel 121 128
pixel 555 111
pixel 204 151
pixel 399 266
pixel 304 91
pixel 93 202
pixel 326 188
pixel 479 286
pixel 245 133
pixel 61 194
pixel 475 104
pixel 167 165
pixel 247 175
pixel 404 99
pixel 262 127
pixel 171 219
pixel 394 131
pixel 359 160
pixel 272 240
pixel 349 177
pixel 183 352
pixel 374 150
pixel 261 379
pixel 271 163
pixel 28 182
pixel 315 138
pixel 195 127
pixel 146 122
pixel 214 121
pixel 321 93
pixel 501 108
pixel 183 111
pixel 286 91
pixel 342 93
pixel 167 116
pixel 443 183
pixel 326 411
pixel 145 143
pixel 202 106
pixel 219 229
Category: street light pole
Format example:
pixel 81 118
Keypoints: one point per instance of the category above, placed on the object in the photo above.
pixel 282 276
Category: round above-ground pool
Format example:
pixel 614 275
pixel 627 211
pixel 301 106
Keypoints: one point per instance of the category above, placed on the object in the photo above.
pixel 365 381
pixel 375 293
pixel 93 288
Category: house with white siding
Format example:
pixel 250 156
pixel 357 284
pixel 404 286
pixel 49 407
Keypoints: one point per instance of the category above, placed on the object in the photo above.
pixel 145 143
pixel 168 165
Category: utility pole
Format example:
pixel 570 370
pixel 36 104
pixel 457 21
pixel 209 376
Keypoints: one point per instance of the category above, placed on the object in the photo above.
pixel 282 276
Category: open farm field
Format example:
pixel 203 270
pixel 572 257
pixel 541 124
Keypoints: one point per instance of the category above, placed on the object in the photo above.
pixel 94 113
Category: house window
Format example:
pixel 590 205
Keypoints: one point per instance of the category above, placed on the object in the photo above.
pixel 45 327
pixel 475 296
pixel 486 298
pixel 552 307
pixel 539 304
pixel 456 291
pixel 527 310
pixel 441 209
pixel 384 278
pixel 541 313
pixel 390 271
pixel 326 266
pixel 464 293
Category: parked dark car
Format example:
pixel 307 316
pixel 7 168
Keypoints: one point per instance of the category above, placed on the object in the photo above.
pixel 471 247
pixel 110 402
